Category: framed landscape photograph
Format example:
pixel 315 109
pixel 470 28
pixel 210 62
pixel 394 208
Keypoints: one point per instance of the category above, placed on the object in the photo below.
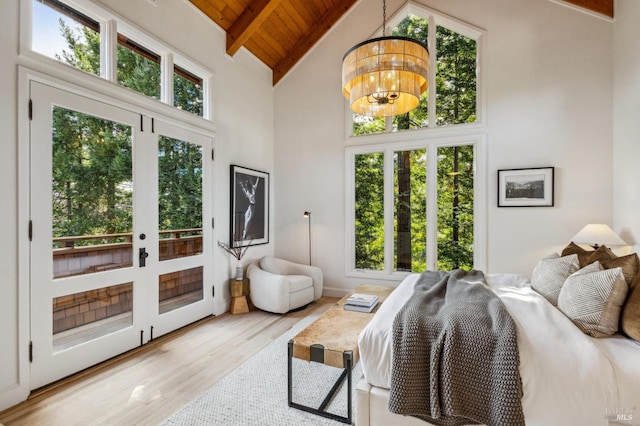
pixel 249 207
pixel 525 187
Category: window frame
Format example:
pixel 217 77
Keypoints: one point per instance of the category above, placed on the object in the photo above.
pixel 110 25
pixel 435 19
pixel 431 144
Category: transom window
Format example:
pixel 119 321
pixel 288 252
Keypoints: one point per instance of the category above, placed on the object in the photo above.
pixel 81 39
pixel 452 96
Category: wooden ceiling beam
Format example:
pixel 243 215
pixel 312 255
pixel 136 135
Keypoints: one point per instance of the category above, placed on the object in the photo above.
pixel 247 23
pixel 604 7
pixel 309 40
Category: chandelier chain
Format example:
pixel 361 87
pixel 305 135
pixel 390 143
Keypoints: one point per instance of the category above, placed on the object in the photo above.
pixel 384 18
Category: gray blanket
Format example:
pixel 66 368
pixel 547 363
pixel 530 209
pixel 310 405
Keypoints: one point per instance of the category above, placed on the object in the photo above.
pixel 455 354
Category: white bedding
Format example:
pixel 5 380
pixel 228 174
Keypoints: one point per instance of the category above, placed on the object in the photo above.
pixel 568 377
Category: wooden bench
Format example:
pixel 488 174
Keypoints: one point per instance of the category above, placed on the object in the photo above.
pixel 332 340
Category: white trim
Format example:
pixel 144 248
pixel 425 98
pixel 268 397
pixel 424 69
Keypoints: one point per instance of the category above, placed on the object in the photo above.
pixel 108 46
pixel 19 391
pixel 431 144
pixel 416 134
pixel 433 66
pixel 166 86
pixel 77 81
pixel 432 207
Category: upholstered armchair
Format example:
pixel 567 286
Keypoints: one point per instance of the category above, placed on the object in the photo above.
pixel 279 286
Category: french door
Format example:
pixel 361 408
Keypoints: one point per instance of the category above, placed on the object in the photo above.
pixel 120 248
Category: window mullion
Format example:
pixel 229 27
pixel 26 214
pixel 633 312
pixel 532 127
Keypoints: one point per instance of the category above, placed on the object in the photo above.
pixel 166 79
pixel 433 54
pixel 108 51
pixel 388 124
pixel 389 206
pixel 432 207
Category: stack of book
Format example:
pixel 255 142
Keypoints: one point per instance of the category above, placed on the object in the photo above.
pixel 361 302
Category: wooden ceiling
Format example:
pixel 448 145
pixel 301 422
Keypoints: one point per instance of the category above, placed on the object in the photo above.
pixel 281 32
pixel 603 7
pixel 278 32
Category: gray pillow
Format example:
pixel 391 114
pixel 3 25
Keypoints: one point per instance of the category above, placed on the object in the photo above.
pixel 593 300
pixel 550 273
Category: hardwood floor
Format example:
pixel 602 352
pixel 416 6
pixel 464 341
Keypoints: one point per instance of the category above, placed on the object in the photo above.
pixel 148 384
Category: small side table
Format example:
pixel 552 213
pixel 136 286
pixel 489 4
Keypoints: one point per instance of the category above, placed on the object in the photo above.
pixel 239 290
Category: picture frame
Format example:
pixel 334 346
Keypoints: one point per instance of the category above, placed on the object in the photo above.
pixel 530 187
pixel 249 221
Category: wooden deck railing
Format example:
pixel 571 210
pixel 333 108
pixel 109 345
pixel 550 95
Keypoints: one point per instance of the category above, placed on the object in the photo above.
pixel 74 256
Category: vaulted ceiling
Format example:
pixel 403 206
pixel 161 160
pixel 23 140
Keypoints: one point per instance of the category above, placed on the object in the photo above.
pixel 280 32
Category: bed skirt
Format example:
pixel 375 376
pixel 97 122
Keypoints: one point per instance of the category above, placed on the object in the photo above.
pixel 372 408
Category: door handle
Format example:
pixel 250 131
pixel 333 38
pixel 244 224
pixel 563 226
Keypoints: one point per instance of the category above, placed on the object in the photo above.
pixel 143 257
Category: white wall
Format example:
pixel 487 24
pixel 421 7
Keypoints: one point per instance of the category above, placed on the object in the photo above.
pixel 548 83
pixel 243 108
pixel 626 122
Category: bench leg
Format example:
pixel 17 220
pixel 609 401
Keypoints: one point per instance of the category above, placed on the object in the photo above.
pixel 320 411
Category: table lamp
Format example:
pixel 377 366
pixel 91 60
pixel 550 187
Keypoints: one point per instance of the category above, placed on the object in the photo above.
pixel 595 234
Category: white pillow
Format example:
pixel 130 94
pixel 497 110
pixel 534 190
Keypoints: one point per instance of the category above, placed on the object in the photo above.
pixel 590 268
pixel 550 273
pixel 593 300
pixel 270 264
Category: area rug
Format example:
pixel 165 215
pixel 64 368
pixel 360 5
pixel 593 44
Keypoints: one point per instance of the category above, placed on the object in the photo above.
pixel 256 392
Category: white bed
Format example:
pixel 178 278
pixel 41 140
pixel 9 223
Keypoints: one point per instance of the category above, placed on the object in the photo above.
pixel 568 377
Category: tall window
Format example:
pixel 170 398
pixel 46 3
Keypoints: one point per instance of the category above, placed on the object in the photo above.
pixel 453 99
pixel 79 39
pixel 415 201
pixel 369 211
pixel 429 223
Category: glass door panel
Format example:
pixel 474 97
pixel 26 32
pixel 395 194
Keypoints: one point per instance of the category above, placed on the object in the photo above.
pixel 184 244
pixel 178 289
pixel 179 198
pixel 80 317
pixel 86 296
pixel 92 188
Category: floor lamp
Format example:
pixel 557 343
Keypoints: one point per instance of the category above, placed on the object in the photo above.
pixel 308 216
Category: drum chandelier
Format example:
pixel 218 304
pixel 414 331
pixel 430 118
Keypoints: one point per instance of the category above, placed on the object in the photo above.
pixel 385 76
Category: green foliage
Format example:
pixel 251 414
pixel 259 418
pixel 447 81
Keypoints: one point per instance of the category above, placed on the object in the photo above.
pixel 179 184
pixel 369 211
pixel 138 72
pixel 363 125
pixel 84 48
pixel 416 196
pixel 455 78
pixel 187 95
pixel 418 29
pixel 92 168
pixel 92 175
pixel 455 207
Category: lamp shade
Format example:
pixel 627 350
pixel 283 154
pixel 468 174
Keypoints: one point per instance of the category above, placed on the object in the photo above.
pixel 385 76
pixel 598 233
